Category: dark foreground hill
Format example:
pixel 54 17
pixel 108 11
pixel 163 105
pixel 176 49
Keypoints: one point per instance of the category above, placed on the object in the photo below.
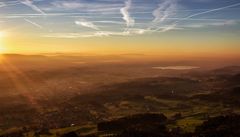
pixel 141 125
pixel 155 125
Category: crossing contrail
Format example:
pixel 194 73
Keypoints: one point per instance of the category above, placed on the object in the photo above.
pixel 33 23
pixel 201 13
pixel 30 4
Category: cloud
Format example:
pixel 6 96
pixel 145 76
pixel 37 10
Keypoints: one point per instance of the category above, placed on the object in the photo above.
pixel 8 3
pixel 128 32
pixel 83 6
pixel 33 23
pixel 102 18
pixel 167 28
pixel 85 35
pixel 87 24
pixel 164 10
pixel 110 22
pixel 202 13
pixel 82 35
pixel 67 35
pixel 2 4
pixel 213 10
pixel 217 24
pixel 30 4
pixel 68 5
pixel 125 12
pixel 162 13
pixel 227 22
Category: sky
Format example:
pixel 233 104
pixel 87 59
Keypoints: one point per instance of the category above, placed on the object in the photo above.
pixel 157 27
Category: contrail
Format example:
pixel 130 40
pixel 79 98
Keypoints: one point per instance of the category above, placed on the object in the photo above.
pixel 30 4
pixel 2 4
pixel 125 12
pixel 163 10
pixel 209 11
pixel 87 24
pixel 201 13
pixel 33 23
pixel 10 3
pixel 162 13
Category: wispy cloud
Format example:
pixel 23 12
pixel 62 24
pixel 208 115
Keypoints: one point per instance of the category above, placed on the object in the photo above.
pixel 33 23
pixel 210 24
pixel 206 12
pixel 87 24
pixel 30 4
pixel 129 32
pixel 68 5
pixel 83 35
pixel 66 35
pixel 115 17
pixel 83 6
pixel 212 10
pixel 162 13
pixel 164 10
pixel 2 4
pixel 9 3
pixel 109 22
pixel 167 28
pixel 125 12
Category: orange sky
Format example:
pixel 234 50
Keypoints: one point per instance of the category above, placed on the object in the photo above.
pixel 170 29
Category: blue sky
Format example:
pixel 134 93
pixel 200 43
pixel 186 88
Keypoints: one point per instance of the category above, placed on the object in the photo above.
pixel 126 26
pixel 87 18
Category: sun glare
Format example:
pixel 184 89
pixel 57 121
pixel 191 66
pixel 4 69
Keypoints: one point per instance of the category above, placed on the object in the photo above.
pixel 1 49
pixel 1 35
pixel 1 43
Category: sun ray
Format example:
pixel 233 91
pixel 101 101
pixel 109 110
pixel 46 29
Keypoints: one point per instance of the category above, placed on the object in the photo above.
pixel 21 82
